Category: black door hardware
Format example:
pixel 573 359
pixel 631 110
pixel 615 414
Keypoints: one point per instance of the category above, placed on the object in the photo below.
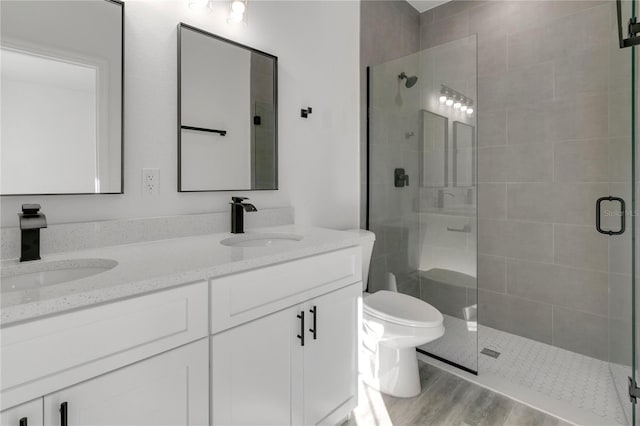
pixel 599 213
pixel 314 329
pixel 400 178
pixel 63 414
pixel 301 335
pixel 633 28
pixel 23 421
pixel 202 129
pixel 304 113
pixel 634 391
pixel 257 120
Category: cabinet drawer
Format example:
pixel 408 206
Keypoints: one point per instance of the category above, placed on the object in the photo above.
pixel 236 299
pixel 46 355
pixel 32 411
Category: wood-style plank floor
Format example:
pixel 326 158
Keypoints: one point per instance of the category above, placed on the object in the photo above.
pixel 445 400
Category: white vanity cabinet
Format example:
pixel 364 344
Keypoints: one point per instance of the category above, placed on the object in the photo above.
pixel 262 373
pixel 276 345
pixel 168 389
pixel 115 364
pixel 27 414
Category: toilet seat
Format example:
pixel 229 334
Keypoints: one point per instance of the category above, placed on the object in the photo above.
pixel 402 309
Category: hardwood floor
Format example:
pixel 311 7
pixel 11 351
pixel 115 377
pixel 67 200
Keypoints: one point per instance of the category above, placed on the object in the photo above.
pixel 446 400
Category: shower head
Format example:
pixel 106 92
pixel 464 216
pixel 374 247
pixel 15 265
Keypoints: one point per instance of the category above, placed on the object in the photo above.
pixel 411 81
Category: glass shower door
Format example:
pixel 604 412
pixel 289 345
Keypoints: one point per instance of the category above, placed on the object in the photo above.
pixel 617 218
pixel 422 188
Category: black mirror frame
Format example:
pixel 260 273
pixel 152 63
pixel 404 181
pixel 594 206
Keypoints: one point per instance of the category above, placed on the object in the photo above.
pixel 181 26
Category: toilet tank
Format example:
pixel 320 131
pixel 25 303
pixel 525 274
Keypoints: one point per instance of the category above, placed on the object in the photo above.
pixel 367 239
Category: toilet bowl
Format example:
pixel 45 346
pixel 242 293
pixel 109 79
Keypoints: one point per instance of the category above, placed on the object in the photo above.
pixel 393 325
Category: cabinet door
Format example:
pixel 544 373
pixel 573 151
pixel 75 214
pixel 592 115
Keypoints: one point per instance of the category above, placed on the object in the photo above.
pixel 330 360
pixel 168 389
pixel 31 411
pixel 251 371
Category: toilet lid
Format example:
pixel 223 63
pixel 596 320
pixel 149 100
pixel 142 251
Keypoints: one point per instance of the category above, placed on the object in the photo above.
pixel 402 309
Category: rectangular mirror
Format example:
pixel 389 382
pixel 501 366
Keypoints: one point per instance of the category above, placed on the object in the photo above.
pixel 464 154
pixel 434 169
pixel 227 114
pixel 62 97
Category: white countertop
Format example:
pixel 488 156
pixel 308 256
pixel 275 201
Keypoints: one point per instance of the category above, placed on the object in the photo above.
pixel 156 265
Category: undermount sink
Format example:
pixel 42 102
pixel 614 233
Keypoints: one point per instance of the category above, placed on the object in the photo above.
pixel 38 274
pixel 261 240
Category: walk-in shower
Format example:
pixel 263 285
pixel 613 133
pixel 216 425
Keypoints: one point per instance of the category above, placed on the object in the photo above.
pixel 521 131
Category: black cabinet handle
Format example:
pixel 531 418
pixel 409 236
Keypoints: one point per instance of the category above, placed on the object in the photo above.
pixel 23 421
pixel 301 335
pixel 63 414
pixel 314 330
pixel 599 213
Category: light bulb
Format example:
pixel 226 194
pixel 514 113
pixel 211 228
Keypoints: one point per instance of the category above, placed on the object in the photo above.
pixel 469 111
pixel 442 99
pixel 449 102
pixel 202 5
pixel 238 6
pixel 463 108
pixel 457 105
pixel 235 17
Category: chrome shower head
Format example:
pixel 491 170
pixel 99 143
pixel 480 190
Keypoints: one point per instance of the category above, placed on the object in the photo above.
pixel 411 81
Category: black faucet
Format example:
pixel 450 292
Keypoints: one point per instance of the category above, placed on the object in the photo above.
pixel 31 221
pixel 237 213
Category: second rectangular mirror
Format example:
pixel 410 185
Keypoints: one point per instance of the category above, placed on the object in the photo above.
pixel 227 114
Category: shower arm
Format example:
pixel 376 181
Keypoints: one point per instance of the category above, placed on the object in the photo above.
pixel 633 29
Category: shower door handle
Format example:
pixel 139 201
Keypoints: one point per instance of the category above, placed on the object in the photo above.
pixel 599 213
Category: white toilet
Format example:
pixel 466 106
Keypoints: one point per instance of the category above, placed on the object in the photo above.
pixel 393 325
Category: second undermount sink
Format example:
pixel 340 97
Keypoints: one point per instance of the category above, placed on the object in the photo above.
pixel 25 276
pixel 262 240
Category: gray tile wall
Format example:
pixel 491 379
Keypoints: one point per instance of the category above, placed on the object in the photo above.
pixel 553 136
pixel 388 30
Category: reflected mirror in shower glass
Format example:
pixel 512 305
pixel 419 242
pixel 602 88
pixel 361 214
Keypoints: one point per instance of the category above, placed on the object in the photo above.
pixel 61 98
pixel 227 115
pixel 434 147
pixel 464 164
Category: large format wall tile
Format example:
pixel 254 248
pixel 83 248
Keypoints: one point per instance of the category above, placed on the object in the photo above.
pixel 581 332
pixel 553 136
pixel 552 202
pixel 492 273
pixel 581 161
pixel 581 247
pixel 493 130
pixel 515 315
pixel 523 240
pixel 559 285
pixel 518 163
pixel 492 201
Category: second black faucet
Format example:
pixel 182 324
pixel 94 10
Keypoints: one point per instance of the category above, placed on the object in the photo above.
pixel 237 213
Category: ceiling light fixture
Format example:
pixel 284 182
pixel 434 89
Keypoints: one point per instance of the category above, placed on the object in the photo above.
pixel 237 11
pixel 201 5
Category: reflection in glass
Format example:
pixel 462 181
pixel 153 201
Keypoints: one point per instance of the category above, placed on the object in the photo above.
pixel 426 233
pixel 61 101
pixel 228 115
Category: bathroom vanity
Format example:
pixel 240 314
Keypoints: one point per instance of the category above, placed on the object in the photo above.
pixel 261 330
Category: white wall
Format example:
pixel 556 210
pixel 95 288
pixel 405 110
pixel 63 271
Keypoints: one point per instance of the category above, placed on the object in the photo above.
pixel 317 46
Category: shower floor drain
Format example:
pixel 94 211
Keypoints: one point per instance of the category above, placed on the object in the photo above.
pixel 490 352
